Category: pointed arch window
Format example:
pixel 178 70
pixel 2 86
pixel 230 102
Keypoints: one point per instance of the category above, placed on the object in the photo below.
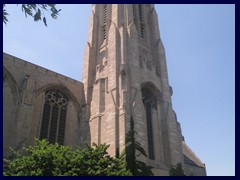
pixel 149 101
pixel 54 116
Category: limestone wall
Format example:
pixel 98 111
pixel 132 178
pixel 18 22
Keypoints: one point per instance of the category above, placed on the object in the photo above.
pixel 194 170
pixel 24 89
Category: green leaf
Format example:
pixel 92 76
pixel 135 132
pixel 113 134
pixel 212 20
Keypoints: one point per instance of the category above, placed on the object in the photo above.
pixel 37 16
pixel 44 6
pixel 28 12
pixel 53 15
pixel 5 20
pixel 51 5
pixel 33 6
pixel 45 21
pixel 23 6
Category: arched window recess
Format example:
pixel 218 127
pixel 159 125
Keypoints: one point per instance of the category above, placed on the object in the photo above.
pixel 54 116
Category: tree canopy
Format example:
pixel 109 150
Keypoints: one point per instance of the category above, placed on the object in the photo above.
pixel 36 11
pixel 45 159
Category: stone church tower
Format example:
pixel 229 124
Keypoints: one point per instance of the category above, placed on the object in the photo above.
pixel 125 75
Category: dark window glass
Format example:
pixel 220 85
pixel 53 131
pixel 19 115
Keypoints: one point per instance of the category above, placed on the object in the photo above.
pixel 54 116
pixel 149 101
pixel 150 131
pixel 140 11
pixel 105 22
pixel 62 126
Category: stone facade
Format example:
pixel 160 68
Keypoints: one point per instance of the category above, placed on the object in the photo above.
pixel 124 76
pixel 24 87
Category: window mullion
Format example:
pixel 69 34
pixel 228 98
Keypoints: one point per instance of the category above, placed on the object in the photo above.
pixel 54 107
pixel 58 120
pixel 49 122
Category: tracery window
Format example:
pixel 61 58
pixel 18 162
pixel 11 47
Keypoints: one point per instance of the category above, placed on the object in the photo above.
pixel 54 116
pixel 149 101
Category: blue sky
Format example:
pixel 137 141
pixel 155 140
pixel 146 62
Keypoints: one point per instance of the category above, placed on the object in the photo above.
pixel 200 48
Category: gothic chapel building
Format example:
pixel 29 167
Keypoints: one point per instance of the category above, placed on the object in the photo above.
pixel 124 76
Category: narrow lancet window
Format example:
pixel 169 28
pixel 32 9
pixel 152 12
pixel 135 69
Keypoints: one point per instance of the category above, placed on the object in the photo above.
pixel 105 22
pixel 149 101
pixel 140 11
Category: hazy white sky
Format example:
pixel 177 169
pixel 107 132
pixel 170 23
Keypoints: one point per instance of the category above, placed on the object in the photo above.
pixel 200 49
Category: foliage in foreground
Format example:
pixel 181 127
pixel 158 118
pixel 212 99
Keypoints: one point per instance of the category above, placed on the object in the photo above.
pixel 36 11
pixel 45 159
pixel 134 150
pixel 177 171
